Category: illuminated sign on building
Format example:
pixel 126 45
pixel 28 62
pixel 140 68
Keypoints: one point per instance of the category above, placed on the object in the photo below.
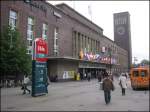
pixel 40 50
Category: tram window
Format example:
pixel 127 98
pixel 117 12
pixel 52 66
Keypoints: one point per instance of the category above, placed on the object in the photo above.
pixel 143 73
pixel 135 73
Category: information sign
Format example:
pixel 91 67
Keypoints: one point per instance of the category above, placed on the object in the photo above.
pixel 39 67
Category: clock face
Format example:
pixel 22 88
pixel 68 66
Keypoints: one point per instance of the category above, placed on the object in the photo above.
pixel 121 30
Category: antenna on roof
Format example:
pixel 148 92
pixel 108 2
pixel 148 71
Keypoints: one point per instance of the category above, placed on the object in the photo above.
pixel 90 11
pixel 73 4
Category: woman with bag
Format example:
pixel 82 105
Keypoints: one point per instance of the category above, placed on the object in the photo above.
pixel 123 83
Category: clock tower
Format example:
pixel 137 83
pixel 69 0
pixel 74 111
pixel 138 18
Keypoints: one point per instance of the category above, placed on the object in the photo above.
pixel 122 34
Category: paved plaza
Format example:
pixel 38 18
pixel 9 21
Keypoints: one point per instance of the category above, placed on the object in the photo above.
pixel 75 96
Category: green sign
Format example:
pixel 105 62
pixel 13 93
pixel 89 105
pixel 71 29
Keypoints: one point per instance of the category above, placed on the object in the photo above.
pixel 39 78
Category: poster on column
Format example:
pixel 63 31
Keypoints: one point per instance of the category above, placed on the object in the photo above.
pixel 39 67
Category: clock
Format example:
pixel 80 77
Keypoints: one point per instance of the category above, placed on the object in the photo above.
pixel 120 30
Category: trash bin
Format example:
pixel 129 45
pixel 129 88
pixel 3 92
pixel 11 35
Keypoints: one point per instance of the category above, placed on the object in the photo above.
pixel 78 76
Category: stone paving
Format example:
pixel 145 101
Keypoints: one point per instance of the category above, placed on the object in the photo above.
pixel 75 96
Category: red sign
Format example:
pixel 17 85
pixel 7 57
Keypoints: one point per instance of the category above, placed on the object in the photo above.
pixel 40 50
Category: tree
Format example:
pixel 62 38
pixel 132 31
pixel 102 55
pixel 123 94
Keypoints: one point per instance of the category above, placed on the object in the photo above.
pixel 13 59
pixel 145 62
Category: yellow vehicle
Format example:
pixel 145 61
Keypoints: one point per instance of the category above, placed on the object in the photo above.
pixel 140 77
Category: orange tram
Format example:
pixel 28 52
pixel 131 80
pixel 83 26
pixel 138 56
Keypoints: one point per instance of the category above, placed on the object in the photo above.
pixel 140 77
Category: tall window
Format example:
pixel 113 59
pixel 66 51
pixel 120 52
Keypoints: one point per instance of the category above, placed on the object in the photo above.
pixel 44 31
pixel 56 41
pixel 30 35
pixel 13 19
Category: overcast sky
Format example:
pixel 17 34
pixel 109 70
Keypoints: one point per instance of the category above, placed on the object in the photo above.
pixel 102 15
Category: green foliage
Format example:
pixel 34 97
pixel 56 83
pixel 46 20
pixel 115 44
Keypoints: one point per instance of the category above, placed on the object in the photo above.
pixel 13 58
pixel 145 62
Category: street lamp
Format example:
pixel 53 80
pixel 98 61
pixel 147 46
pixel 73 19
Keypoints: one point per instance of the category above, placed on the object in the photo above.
pixel 109 51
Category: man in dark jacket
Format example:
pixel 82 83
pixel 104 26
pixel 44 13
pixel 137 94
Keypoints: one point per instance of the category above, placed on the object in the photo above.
pixel 107 87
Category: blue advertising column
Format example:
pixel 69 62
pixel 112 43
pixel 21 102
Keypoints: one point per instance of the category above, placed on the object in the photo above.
pixel 39 67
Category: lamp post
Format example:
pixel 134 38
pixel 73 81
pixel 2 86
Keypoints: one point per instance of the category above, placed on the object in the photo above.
pixel 109 51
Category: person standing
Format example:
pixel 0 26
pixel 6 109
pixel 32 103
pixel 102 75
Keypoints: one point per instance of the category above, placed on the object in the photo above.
pixel 107 86
pixel 123 83
pixel 99 76
pixel 25 82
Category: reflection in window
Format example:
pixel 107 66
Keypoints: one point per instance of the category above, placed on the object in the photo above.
pixel 143 73
pixel 13 19
pixel 30 35
pixel 56 41
pixel 135 73
pixel 44 31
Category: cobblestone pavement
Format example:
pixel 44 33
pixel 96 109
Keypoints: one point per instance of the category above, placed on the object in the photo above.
pixel 75 96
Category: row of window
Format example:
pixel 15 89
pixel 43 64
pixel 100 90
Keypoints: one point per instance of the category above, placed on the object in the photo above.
pixel 13 18
pixel 84 43
pixel 80 41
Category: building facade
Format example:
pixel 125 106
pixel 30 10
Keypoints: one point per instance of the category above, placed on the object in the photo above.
pixel 75 44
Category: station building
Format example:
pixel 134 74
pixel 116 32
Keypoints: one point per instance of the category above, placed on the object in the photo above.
pixel 75 44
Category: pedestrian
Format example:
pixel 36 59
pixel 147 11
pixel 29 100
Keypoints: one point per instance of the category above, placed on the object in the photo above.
pixel 111 76
pixel 47 83
pixel 99 76
pixel 85 75
pixel 25 82
pixel 89 76
pixel 123 83
pixel 81 75
pixel 107 86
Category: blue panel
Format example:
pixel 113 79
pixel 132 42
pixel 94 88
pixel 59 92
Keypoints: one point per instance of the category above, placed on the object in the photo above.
pixel 39 75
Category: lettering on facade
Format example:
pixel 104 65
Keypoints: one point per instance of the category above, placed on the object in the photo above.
pixel 120 21
pixel 36 5
pixel 90 65
pixel 57 14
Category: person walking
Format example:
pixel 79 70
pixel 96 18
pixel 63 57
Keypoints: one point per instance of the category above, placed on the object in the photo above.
pixel 123 83
pixel 25 82
pixel 99 76
pixel 85 75
pixel 47 83
pixel 89 76
pixel 107 86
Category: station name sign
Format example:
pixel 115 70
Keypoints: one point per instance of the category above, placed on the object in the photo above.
pixel 36 5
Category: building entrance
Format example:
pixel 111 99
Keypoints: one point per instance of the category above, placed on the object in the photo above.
pixel 94 72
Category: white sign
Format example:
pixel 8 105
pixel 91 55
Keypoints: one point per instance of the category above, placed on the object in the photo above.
pixel 103 49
